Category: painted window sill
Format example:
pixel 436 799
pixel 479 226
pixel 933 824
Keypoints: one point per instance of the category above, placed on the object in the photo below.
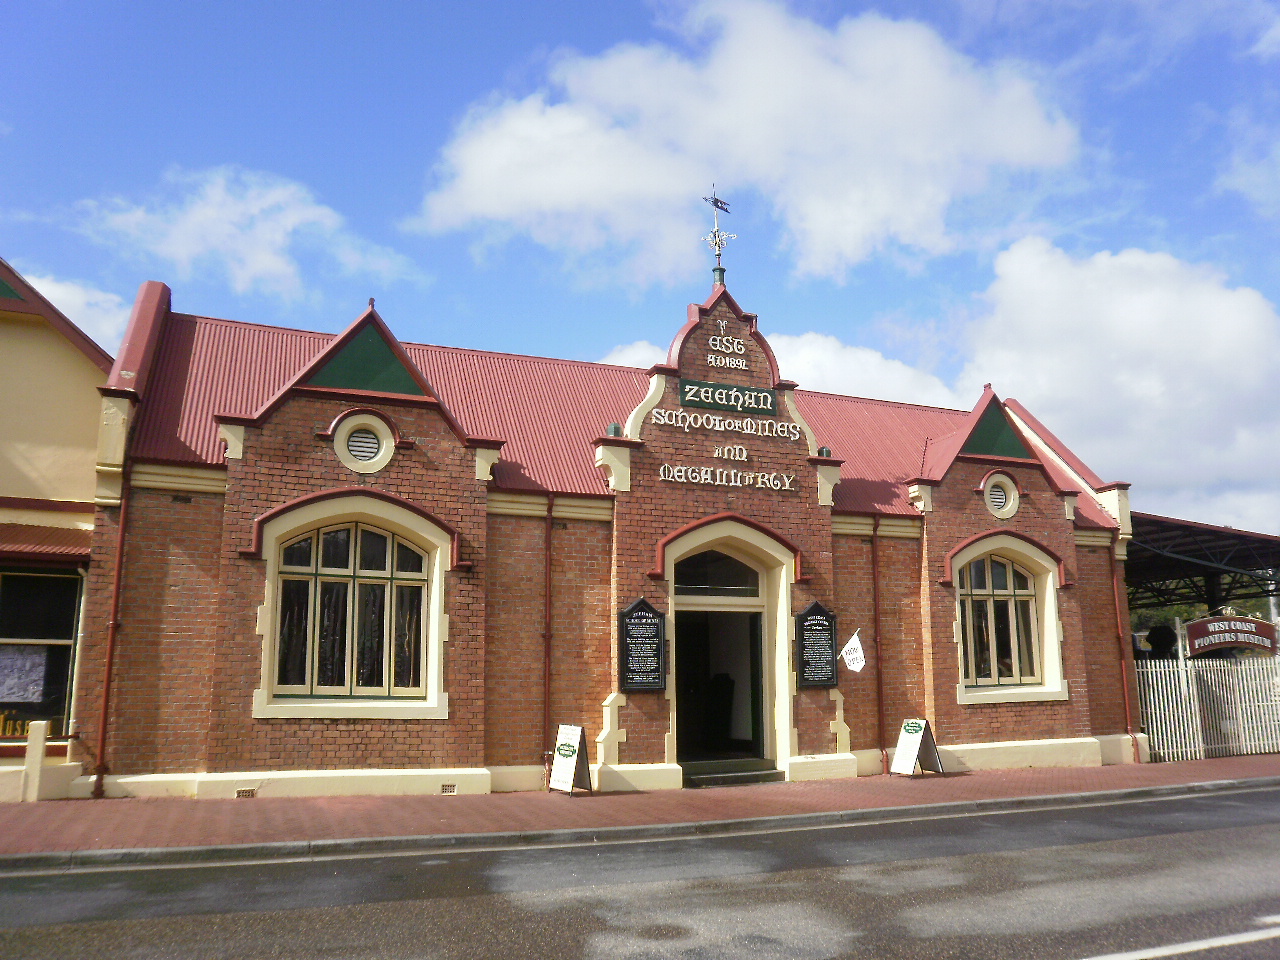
pixel 267 708
pixel 1010 694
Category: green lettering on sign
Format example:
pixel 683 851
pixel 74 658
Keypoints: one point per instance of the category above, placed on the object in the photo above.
pixel 728 396
pixel 913 726
pixel 566 750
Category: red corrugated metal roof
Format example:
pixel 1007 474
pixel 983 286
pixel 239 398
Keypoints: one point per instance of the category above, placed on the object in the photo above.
pixel 1057 446
pixel 205 367
pixel 19 540
pixel 547 410
pixel 881 444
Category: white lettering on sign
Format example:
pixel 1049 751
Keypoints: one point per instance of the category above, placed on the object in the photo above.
pixel 727 344
pixel 1232 626
pixel 717 477
pixel 736 363
pixel 702 394
pixel 734 452
pixel 753 427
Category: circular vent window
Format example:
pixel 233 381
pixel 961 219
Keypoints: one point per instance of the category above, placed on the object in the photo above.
pixel 1001 496
pixel 363 444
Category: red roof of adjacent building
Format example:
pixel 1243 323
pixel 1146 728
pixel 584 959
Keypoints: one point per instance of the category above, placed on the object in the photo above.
pixel 21 541
pixel 548 411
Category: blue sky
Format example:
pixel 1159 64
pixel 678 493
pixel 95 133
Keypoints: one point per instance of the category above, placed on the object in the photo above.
pixel 1077 201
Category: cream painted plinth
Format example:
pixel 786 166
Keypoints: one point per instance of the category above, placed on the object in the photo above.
pixel 611 777
pixel 827 766
pixel 60 780
pixel 293 783
pixel 1118 748
pixel 517 778
pixel 1015 754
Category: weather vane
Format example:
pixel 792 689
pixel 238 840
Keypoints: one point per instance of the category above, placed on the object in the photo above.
pixel 717 238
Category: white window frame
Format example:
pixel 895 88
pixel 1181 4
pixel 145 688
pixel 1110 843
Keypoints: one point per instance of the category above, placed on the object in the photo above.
pixel 430 702
pixel 1043 569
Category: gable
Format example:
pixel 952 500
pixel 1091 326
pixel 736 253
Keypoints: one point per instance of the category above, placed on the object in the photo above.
pixel 994 436
pixel 366 362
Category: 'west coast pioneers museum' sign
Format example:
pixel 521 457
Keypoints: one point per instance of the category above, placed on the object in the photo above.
pixel 1217 633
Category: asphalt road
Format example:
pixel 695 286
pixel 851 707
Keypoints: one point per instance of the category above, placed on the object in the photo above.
pixel 1076 882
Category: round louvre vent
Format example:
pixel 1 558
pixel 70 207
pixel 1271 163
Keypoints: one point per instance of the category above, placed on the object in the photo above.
pixel 998 496
pixel 363 444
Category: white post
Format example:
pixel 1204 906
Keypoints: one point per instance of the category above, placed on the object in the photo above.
pixel 37 733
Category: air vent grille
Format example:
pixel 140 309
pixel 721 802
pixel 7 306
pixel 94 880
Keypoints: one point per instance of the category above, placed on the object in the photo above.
pixel 363 444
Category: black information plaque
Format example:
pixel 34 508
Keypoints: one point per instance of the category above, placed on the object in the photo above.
pixel 816 647
pixel 642 648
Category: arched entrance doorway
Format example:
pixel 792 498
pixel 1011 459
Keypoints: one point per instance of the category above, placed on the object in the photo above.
pixel 719 659
pixel 730 588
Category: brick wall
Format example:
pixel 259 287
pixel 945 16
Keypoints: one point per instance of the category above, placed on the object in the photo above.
pixel 1101 651
pixel 581 670
pixel 169 617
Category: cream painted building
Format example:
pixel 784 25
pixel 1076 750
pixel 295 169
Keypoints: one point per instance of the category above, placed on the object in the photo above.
pixel 51 372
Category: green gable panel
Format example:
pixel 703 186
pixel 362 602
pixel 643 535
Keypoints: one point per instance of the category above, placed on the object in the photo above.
pixel 366 363
pixel 8 293
pixel 994 436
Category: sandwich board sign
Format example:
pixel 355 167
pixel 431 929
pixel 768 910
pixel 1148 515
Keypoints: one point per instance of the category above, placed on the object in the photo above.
pixel 569 761
pixel 915 745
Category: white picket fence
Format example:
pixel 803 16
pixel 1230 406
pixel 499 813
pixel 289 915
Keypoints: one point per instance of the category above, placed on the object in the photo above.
pixel 1194 709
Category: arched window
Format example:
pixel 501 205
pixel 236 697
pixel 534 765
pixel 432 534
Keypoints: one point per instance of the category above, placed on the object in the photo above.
pixel 353 620
pixel 350 618
pixel 715 574
pixel 998 618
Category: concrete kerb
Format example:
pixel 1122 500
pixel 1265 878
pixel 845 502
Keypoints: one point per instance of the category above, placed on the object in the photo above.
pixel 428 843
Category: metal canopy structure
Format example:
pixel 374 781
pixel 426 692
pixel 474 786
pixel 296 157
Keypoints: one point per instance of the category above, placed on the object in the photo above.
pixel 1179 561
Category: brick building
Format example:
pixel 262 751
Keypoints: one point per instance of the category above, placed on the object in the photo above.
pixel 354 565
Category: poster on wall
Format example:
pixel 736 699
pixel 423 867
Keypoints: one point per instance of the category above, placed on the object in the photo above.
pixel 642 648
pixel 569 761
pixel 22 673
pixel 816 647
pixel 915 746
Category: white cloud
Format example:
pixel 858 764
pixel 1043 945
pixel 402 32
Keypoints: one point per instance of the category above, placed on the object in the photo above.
pixel 641 354
pixel 1268 44
pixel 1152 369
pixel 251 228
pixel 1254 170
pixel 819 361
pixel 857 136
pixel 101 315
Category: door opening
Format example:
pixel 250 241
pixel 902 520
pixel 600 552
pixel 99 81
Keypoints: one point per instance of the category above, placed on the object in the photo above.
pixel 719 686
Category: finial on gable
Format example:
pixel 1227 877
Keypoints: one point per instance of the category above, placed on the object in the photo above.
pixel 717 239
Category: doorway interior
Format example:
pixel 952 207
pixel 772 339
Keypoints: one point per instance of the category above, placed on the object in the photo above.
pixel 720 710
pixel 719 686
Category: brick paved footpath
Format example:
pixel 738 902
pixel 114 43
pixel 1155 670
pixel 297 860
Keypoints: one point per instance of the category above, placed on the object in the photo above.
pixel 83 825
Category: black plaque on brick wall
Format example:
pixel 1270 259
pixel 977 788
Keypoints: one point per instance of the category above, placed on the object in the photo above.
pixel 816 647
pixel 642 648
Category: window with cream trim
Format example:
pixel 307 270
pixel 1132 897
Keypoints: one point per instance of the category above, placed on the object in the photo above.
pixel 350 613
pixel 1007 629
pixel 1000 642
pixel 353 620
